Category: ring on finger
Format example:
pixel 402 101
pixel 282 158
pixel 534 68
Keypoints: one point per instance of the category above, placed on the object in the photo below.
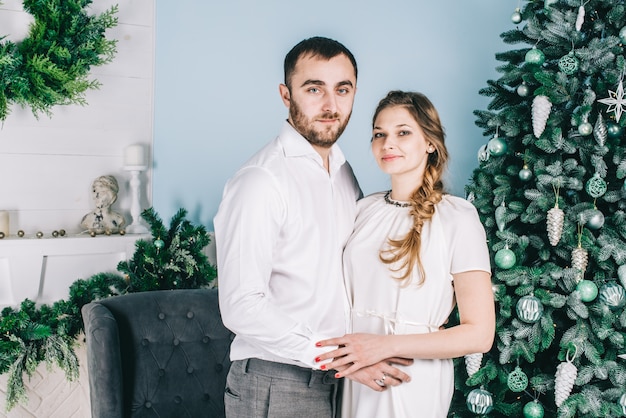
pixel 381 382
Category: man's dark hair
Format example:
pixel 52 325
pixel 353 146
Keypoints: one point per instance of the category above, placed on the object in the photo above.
pixel 317 46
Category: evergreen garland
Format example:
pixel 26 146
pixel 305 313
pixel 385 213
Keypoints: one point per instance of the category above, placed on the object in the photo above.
pixel 51 65
pixel 34 334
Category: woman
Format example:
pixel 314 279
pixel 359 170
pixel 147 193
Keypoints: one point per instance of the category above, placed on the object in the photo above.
pixel 413 253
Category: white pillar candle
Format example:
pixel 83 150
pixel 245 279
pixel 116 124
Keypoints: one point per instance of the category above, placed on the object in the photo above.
pixel 4 222
pixel 134 155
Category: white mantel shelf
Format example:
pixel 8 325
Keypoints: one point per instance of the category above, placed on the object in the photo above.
pixel 42 269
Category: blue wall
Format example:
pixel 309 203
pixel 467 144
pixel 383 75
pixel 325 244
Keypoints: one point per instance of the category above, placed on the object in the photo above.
pixel 218 66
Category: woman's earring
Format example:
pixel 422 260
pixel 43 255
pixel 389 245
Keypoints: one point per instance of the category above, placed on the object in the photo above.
pixel 430 149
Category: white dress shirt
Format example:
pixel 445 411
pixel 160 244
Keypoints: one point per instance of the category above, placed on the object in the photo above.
pixel 279 233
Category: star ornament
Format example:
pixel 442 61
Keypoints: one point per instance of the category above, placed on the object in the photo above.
pixel 616 101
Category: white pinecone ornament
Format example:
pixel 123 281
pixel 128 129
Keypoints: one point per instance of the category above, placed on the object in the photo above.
pixel 580 258
pixel 556 216
pixel 565 376
pixel 541 111
pixel 472 363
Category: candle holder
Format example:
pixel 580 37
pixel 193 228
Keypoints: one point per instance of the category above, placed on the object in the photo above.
pixel 136 227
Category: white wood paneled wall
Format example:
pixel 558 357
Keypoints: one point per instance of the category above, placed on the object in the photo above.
pixel 47 165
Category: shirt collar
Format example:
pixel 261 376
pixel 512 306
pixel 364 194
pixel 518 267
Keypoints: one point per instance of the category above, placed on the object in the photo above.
pixel 295 145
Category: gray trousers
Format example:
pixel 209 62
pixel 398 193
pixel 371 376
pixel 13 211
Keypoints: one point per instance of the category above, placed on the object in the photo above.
pixel 263 389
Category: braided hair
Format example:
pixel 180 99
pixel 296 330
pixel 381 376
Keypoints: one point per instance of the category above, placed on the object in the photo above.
pixel 405 252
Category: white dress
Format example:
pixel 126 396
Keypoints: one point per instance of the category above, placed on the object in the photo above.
pixel 453 241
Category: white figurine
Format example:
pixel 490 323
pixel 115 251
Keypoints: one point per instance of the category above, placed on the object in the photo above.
pixel 103 219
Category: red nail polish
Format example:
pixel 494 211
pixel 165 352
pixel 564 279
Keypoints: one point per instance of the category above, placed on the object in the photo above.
pixel 323 367
pixel 317 359
pixel 337 375
pixel 318 344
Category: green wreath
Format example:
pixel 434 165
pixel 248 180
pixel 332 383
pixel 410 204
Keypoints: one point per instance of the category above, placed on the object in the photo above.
pixel 51 65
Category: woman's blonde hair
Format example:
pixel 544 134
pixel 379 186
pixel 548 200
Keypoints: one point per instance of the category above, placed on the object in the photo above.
pixel 405 252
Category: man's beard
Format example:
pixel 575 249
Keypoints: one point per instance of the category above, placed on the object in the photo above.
pixel 305 126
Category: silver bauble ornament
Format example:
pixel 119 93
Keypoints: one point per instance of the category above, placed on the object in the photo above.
pixel 585 129
pixel 525 174
pixel 516 17
pixel 479 401
pixel 612 295
pixel 596 220
pixel 497 146
pixel 523 90
pixel 529 309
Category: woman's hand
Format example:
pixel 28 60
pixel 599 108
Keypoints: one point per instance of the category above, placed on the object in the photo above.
pixel 382 372
pixel 355 351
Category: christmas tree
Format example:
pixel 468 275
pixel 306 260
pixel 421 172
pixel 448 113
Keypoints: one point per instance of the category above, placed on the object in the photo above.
pixel 550 190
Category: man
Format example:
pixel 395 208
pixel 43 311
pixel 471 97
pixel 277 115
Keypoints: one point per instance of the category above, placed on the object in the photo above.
pixel 283 221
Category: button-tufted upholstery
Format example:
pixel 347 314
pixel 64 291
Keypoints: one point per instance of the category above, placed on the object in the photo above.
pixel 157 354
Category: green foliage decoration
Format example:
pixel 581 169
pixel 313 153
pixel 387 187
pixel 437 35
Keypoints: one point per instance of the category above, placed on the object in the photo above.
pixel 48 334
pixel 51 65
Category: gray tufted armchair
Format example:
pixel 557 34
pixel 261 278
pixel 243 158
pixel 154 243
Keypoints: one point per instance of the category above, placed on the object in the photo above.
pixel 157 354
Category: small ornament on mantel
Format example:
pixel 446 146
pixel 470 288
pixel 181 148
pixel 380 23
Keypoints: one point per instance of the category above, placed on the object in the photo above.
pixel 103 219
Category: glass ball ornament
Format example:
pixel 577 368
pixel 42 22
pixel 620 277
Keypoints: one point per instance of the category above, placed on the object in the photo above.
pixel 533 409
pixel 613 295
pixel 535 56
pixel 596 220
pixel 479 401
pixel 497 146
pixel 568 64
pixel 585 129
pixel 523 90
pixel 516 17
pixel 517 380
pixel 596 186
pixel 587 289
pixel 159 243
pixel 622 34
pixel 529 309
pixel 525 174
pixel 505 258
pixel 613 130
